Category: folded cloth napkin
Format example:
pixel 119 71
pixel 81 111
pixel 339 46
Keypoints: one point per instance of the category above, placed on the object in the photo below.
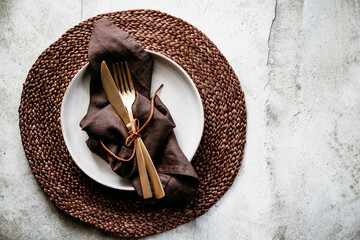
pixel 101 122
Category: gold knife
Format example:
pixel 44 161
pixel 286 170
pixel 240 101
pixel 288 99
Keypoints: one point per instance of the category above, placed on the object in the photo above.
pixel 115 100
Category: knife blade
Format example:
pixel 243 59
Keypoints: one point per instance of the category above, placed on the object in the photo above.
pixel 113 94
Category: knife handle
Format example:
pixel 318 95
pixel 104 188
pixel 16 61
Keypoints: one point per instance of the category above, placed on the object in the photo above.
pixel 154 177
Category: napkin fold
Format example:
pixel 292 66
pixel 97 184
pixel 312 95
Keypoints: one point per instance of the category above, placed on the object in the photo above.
pixel 101 122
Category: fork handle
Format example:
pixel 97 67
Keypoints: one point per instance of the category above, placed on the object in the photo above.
pixel 144 180
pixel 143 175
pixel 154 177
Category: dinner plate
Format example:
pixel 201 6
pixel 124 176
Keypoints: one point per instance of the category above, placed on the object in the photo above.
pixel 179 94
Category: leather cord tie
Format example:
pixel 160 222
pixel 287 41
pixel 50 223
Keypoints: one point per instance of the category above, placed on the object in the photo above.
pixel 134 134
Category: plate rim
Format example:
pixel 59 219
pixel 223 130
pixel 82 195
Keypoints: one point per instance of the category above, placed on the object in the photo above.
pixel 197 96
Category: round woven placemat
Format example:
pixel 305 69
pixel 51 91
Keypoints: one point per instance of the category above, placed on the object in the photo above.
pixel 216 162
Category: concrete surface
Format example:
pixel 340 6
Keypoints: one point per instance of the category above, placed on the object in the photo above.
pixel 299 65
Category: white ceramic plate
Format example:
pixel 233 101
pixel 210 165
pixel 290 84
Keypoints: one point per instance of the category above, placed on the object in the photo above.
pixel 179 94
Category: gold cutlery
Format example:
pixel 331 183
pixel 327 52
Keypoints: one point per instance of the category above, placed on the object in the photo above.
pixel 121 94
pixel 115 100
pixel 125 85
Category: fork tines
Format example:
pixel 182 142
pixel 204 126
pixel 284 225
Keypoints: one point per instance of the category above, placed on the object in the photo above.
pixel 123 78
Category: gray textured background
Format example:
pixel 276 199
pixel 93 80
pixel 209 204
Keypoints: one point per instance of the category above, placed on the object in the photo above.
pixel 299 65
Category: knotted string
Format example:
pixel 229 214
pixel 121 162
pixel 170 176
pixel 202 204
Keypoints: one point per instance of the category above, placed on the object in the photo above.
pixel 135 134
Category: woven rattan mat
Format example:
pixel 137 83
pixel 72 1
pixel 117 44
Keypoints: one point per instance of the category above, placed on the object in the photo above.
pixel 218 157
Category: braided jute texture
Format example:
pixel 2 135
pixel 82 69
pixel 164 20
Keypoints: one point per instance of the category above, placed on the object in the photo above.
pixel 217 160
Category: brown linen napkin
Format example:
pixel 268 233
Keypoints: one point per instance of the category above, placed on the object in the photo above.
pixel 101 122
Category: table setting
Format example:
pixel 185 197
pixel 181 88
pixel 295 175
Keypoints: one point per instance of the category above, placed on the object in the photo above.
pixel 133 122
pixel 179 120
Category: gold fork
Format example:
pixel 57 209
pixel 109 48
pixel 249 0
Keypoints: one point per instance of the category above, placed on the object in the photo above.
pixel 126 88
